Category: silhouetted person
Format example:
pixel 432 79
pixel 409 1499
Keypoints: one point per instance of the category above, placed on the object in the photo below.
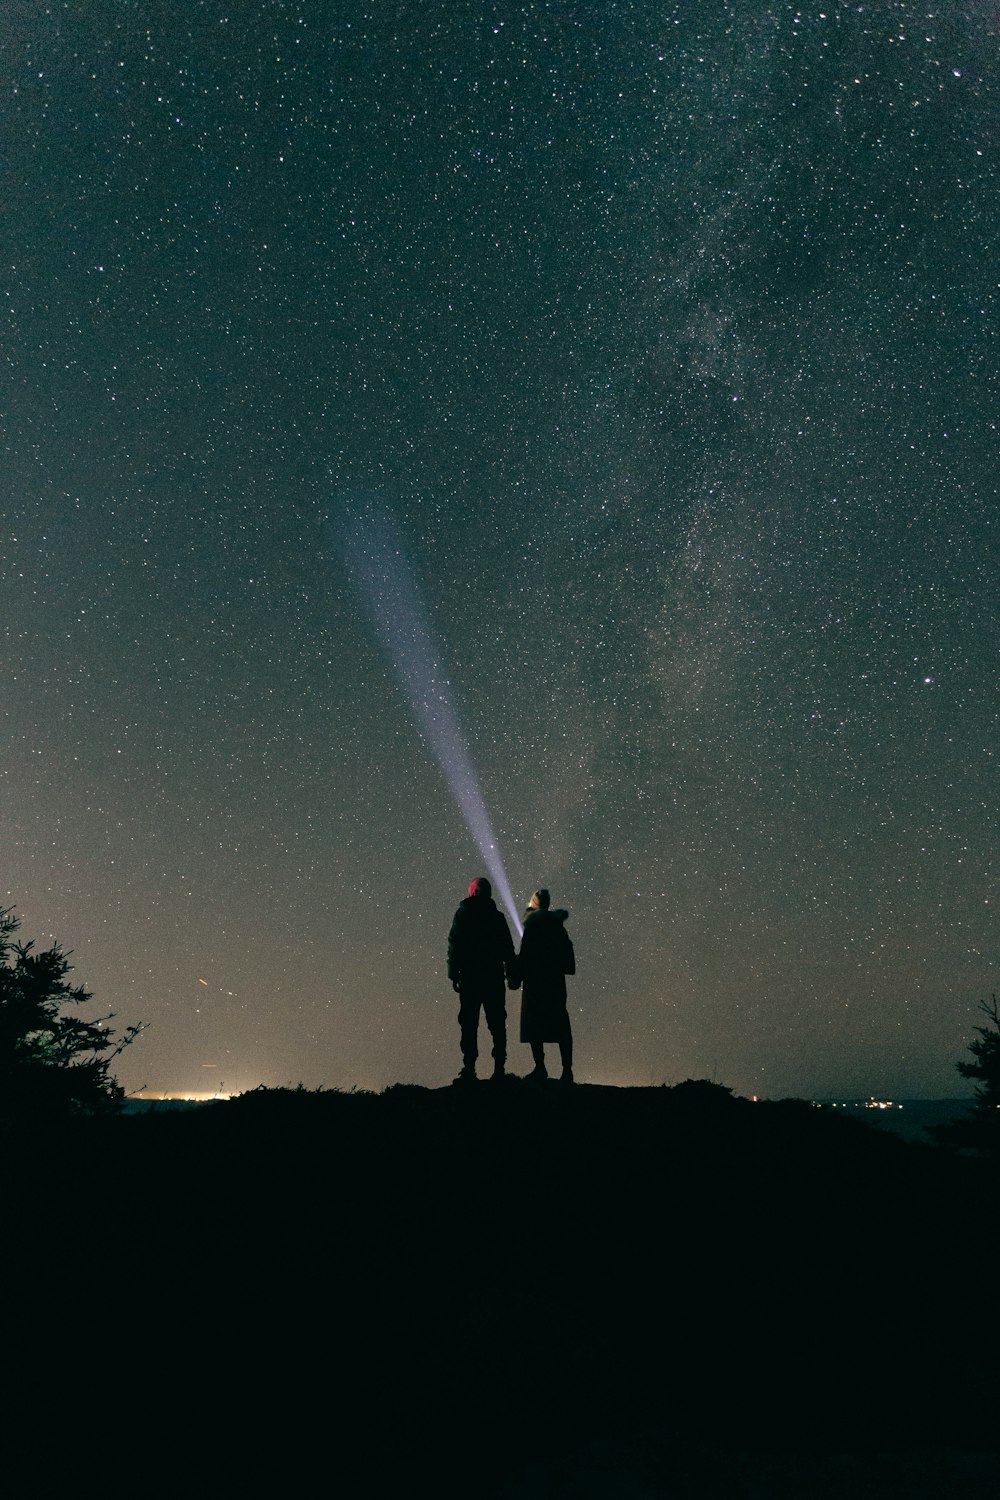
pixel 545 959
pixel 481 963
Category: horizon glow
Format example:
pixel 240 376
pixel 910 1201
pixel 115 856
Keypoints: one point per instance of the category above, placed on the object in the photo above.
pixel 376 563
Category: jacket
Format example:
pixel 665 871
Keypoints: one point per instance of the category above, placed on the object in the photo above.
pixel 480 947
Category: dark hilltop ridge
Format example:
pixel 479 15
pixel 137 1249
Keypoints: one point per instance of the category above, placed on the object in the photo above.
pixel 508 1292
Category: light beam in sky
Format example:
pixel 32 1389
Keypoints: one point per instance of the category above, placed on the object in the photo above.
pixel 376 562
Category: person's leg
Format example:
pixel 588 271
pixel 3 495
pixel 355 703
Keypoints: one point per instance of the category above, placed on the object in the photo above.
pixel 566 1054
pixel 538 1057
pixel 496 1020
pixel 469 1006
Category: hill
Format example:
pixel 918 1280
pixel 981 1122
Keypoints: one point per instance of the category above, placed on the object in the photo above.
pixel 512 1292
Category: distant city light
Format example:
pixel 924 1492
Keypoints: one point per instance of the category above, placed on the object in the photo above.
pixel 194 1097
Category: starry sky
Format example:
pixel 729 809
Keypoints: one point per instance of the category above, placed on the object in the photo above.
pixel 665 334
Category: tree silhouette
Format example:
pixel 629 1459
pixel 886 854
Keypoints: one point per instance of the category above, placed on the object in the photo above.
pixel 979 1129
pixel 986 1051
pixel 51 1063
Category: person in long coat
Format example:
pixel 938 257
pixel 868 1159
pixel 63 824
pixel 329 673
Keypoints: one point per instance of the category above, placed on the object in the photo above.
pixel 482 965
pixel 546 957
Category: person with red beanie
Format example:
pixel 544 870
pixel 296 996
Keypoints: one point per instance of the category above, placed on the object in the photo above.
pixel 482 965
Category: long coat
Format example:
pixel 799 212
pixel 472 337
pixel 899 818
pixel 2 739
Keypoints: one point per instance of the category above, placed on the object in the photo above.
pixel 545 959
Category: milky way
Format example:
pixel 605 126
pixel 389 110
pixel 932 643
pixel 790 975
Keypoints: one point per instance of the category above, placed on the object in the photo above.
pixel 669 335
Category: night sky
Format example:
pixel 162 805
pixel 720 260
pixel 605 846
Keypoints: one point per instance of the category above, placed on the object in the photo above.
pixel 662 338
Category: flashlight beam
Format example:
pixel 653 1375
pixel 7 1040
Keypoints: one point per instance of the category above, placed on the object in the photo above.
pixel 376 561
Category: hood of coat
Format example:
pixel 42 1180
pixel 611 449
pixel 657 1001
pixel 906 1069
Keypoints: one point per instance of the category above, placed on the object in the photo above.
pixel 554 914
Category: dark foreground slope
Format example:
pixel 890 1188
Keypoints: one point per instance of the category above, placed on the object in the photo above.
pixel 594 1291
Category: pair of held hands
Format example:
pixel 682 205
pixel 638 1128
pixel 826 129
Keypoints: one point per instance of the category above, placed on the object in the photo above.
pixel 514 984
